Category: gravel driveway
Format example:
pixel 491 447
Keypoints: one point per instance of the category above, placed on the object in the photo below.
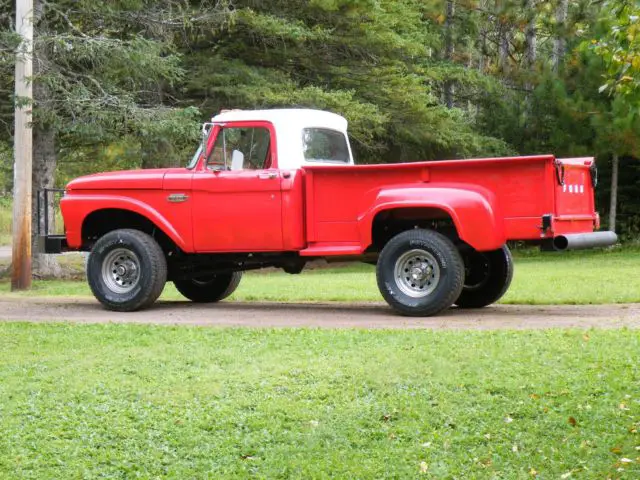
pixel 369 315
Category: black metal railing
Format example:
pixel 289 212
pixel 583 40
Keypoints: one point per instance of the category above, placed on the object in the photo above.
pixel 42 214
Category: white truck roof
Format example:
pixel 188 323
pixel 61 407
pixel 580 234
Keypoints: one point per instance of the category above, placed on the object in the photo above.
pixel 289 124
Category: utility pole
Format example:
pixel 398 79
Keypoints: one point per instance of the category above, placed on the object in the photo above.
pixel 23 138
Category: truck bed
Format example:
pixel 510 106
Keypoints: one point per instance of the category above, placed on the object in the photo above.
pixel 520 193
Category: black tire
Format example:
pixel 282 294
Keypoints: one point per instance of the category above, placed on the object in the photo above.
pixel 438 273
pixel 487 277
pixel 213 288
pixel 126 270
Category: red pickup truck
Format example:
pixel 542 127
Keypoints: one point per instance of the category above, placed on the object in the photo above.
pixel 277 188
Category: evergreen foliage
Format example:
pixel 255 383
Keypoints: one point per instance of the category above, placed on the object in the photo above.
pixel 127 82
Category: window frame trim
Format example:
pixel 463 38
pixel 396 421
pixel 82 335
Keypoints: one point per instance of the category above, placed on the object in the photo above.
pixel 335 162
pixel 273 141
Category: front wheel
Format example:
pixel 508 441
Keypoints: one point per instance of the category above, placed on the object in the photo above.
pixel 211 288
pixel 126 270
pixel 420 273
pixel 487 279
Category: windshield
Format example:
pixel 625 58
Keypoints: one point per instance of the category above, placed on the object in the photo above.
pixel 324 145
pixel 194 159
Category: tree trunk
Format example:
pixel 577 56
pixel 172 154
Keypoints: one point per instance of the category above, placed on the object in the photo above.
pixel 44 158
pixel 482 40
pixel 483 48
pixel 559 43
pixel 448 51
pixel 530 54
pixel 530 34
pixel 503 38
pixel 44 169
pixel 613 206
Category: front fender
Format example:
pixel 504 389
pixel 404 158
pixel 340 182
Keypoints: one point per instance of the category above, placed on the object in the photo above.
pixel 76 207
pixel 474 211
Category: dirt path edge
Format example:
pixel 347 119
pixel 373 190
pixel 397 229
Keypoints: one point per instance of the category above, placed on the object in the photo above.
pixel 320 315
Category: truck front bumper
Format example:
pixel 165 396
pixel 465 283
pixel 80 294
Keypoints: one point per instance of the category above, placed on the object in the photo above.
pixel 52 243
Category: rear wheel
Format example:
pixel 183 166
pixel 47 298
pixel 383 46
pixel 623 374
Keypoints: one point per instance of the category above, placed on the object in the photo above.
pixel 126 270
pixel 487 279
pixel 208 289
pixel 420 273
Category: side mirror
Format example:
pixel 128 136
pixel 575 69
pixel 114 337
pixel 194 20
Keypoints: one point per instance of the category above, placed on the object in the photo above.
pixel 206 130
pixel 237 160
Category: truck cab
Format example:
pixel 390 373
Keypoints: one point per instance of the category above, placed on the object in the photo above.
pixel 279 139
pixel 254 157
pixel 277 188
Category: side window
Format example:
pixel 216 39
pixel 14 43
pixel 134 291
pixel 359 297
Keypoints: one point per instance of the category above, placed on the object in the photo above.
pixel 324 145
pixel 241 148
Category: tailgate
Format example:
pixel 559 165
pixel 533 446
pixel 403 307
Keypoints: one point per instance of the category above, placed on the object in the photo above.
pixel 574 196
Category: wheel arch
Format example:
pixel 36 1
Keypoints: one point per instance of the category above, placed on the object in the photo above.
pixel 104 220
pixel 469 215
pixel 80 211
pixel 390 221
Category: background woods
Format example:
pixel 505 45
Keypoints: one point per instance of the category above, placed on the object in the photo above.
pixel 125 84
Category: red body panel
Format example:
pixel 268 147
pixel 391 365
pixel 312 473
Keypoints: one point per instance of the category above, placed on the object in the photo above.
pixel 330 210
pixel 237 211
pixel 490 201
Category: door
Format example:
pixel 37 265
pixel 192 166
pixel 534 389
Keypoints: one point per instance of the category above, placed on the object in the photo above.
pixel 237 194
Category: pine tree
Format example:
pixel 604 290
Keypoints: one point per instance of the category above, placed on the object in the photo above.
pixel 94 66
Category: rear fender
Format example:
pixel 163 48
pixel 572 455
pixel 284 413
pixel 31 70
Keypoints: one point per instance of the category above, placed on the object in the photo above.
pixel 76 208
pixel 473 210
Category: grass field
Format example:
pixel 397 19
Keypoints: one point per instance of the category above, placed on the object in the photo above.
pixel 123 401
pixel 611 276
pixel 6 220
pixel 126 401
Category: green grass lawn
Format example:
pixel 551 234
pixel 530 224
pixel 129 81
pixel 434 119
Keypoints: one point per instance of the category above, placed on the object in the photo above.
pixel 551 278
pixel 124 401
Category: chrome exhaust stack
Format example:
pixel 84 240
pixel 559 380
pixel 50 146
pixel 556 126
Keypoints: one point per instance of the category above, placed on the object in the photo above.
pixel 579 241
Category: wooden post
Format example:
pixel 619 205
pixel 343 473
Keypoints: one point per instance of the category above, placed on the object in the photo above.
pixel 23 137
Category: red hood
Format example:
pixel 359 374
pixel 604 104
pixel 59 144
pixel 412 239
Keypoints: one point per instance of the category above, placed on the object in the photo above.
pixel 128 179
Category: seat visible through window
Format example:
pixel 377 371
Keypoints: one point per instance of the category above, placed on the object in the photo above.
pixel 238 148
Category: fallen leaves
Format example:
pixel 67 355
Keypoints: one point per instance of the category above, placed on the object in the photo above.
pixel 390 416
pixel 622 463
pixel 572 421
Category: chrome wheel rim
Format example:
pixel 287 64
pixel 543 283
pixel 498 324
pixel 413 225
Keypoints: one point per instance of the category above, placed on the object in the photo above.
pixel 121 270
pixel 417 273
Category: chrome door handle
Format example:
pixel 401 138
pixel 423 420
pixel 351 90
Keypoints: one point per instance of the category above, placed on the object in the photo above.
pixel 268 175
